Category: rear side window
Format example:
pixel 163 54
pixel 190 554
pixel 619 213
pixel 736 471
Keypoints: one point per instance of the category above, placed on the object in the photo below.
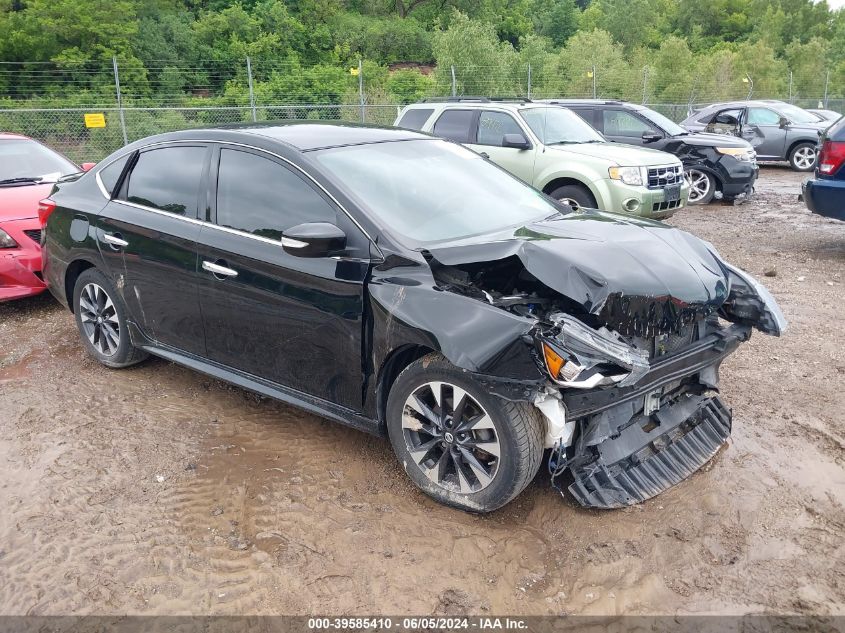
pixel 455 125
pixel 415 119
pixel 168 179
pixel 837 131
pixel 492 127
pixel 587 114
pixel 109 175
pixel 259 196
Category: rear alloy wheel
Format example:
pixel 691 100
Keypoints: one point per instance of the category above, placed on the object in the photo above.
pixel 460 444
pixel 101 319
pixel 701 186
pixel 803 157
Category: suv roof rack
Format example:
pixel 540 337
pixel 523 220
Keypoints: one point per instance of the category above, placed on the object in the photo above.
pixel 472 99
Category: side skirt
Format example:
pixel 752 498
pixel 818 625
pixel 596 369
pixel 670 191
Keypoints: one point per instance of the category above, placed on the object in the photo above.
pixel 304 401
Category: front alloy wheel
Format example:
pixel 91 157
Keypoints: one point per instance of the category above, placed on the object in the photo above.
pixel 450 437
pixel 701 188
pixel 459 443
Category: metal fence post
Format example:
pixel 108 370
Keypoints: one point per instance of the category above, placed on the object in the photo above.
pixel 361 88
pixel 790 86
pixel 251 91
pixel 826 81
pixel 119 100
pixel 454 86
pixel 594 81
pixel 529 81
pixel 645 83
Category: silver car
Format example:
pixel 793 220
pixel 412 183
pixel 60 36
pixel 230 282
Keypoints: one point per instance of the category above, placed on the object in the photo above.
pixel 777 130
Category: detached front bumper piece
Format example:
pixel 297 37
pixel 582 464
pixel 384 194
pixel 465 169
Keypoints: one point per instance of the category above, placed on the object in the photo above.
pixel 653 453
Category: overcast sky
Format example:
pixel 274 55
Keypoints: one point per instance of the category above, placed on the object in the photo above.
pixel 836 4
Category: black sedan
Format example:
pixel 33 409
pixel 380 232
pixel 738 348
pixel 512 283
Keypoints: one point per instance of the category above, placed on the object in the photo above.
pixel 714 163
pixel 405 286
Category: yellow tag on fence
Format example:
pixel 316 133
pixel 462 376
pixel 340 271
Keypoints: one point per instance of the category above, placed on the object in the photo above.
pixel 95 119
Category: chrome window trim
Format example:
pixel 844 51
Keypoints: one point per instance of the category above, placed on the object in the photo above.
pixel 100 168
pixel 224 228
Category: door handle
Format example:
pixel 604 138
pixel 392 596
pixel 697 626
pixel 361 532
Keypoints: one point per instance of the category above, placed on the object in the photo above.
pixel 115 240
pixel 217 269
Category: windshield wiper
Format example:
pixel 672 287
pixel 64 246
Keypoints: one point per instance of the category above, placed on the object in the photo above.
pixel 574 142
pixel 12 181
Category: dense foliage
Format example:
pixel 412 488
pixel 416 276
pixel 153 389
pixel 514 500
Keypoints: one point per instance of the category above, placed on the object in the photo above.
pixel 191 52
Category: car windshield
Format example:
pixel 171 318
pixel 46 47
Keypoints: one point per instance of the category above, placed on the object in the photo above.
pixel 797 115
pixel 433 190
pixel 556 125
pixel 668 125
pixel 23 160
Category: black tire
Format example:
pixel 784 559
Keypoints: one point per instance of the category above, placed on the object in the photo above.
pixel 698 181
pixel 111 345
pixel 798 160
pixel 517 429
pixel 576 193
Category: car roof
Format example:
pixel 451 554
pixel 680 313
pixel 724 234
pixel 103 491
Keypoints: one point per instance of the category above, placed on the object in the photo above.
pixel 590 102
pixel 742 104
pixel 303 136
pixel 463 103
pixel 12 135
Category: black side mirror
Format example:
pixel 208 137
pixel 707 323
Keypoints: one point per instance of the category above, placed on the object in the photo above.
pixel 650 136
pixel 313 239
pixel 515 141
pixel 783 122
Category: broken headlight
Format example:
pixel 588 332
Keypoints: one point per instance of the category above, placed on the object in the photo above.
pixel 583 358
pixel 750 302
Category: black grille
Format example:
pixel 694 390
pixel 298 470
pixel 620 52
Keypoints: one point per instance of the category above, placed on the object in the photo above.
pixel 34 235
pixel 665 206
pixel 660 177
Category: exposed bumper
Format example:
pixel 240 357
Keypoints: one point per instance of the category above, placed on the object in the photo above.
pixel 20 268
pixel 825 197
pixel 738 178
pixel 637 465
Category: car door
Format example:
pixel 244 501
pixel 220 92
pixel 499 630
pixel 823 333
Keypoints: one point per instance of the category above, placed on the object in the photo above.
pixel 622 126
pixel 490 129
pixel 725 121
pixel 294 321
pixel 761 127
pixel 152 224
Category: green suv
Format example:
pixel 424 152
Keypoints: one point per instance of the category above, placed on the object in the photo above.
pixel 554 150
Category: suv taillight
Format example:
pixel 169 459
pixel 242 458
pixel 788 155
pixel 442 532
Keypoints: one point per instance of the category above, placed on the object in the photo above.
pixel 45 208
pixel 831 157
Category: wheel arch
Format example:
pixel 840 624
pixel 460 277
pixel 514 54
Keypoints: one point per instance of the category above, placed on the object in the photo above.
pixel 72 273
pixel 563 181
pixel 393 365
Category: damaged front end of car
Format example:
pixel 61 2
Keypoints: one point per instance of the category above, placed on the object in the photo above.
pixel 628 337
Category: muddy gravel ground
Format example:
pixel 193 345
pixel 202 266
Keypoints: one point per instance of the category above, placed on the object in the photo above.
pixel 159 490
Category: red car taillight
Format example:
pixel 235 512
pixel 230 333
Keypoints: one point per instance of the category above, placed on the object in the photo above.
pixel 831 157
pixel 45 208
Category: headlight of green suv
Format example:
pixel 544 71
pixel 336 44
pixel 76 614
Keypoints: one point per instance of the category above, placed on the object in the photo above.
pixel 6 240
pixel 628 175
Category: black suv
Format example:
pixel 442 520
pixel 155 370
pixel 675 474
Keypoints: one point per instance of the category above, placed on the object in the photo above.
pixel 404 285
pixel 713 162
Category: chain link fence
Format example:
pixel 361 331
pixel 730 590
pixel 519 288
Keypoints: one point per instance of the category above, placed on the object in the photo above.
pixel 49 101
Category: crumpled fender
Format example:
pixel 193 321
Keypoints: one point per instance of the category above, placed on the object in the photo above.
pixel 473 335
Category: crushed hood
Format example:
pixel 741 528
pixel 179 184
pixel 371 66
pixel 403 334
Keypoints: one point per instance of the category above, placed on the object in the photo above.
pixel 637 276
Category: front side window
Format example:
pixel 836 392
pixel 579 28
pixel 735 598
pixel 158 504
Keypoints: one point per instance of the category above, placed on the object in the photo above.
pixel 492 127
pixel 258 195
pixel 621 123
pixel 415 119
pixel 763 116
pixel 724 122
pixel 429 190
pixel 663 122
pixel 558 126
pixel 168 179
pixel 455 125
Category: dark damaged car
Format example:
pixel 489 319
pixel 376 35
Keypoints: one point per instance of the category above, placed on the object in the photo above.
pixel 405 286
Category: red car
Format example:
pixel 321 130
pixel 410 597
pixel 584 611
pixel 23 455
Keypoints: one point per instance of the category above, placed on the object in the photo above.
pixel 28 170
